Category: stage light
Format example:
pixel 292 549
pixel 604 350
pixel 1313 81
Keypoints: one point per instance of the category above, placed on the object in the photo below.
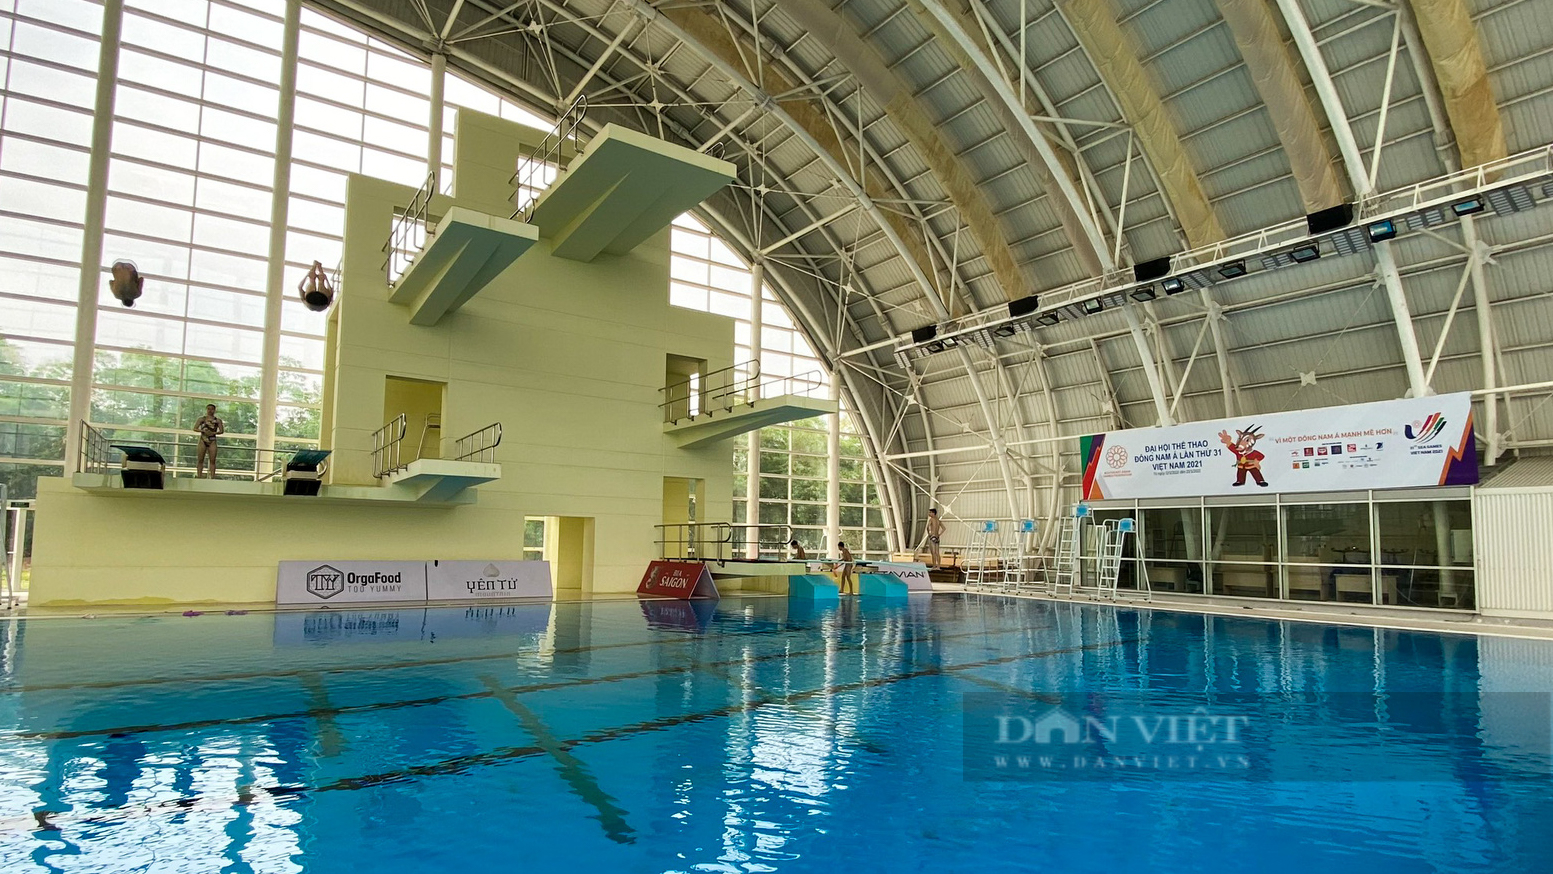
pixel 1092 306
pixel 1381 231
pixel 126 282
pixel 142 468
pixel 1146 293
pixel 1307 252
pixel 304 472
pixel 1173 285
pixel 1048 319
pixel 1470 206
pixel 1233 269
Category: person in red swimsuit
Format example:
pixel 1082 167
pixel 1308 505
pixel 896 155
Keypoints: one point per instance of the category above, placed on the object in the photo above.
pixel 1247 459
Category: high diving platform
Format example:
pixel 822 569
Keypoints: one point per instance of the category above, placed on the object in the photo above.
pixel 736 400
pixel 464 251
pixel 623 188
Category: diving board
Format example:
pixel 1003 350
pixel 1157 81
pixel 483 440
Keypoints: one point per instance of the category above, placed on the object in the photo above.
pixel 623 188
pixel 467 250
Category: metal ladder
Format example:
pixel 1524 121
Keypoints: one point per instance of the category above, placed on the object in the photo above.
pixel 983 540
pixel 1064 576
pixel 1018 556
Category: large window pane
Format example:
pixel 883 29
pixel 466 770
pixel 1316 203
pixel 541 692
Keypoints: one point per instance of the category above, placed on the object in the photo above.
pixel 1328 550
pixel 1437 535
pixel 1242 544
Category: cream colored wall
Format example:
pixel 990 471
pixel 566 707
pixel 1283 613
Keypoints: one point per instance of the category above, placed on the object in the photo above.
pixel 569 357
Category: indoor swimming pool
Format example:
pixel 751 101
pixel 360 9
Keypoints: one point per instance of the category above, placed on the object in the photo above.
pixel 951 733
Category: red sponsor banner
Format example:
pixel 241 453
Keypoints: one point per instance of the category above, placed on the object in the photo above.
pixel 677 579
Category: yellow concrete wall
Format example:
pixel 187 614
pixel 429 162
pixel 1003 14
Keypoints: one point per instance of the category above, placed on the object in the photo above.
pixel 569 357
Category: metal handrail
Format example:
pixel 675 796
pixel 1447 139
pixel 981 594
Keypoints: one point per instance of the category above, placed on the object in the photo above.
pixel 385 446
pixel 97 455
pixel 724 390
pixel 411 232
pixel 479 446
pixel 717 541
pixel 531 168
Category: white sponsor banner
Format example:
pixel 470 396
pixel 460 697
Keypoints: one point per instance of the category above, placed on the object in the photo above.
pixel 350 582
pixel 913 574
pixel 465 580
pixel 399 625
pixel 1409 443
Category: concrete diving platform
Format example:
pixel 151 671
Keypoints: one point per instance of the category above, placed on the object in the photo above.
pixel 467 250
pixel 623 188
pixel 709 427
pixel 427 486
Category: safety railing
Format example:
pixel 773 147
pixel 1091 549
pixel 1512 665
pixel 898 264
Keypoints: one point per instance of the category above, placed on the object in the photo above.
pixel 479 446
pixel 721 391
pixel 529 182
pixel 720 541
pixel 387 443
pixel 237 458
pixel 411 232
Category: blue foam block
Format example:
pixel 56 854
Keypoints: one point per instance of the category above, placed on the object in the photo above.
pixel 812 587
pixel 882 586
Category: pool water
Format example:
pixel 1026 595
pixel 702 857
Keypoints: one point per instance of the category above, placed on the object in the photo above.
pixel 756 734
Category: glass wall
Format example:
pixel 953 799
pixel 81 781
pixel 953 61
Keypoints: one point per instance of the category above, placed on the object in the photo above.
pixel 790 477
pixel 1406 549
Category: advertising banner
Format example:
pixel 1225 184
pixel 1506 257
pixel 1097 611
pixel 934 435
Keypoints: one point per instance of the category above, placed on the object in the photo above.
pixel 677 579
pixel 466 580
pixel 350 582
pixel 913 574
pixel 301 628
pixel 1408 443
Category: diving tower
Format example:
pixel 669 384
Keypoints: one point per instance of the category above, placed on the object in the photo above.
pixel 462 253
pixel 702 410
pixel 624 187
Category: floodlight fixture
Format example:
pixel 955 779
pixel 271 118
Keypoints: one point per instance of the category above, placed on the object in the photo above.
pixel 1146 293
pixel 1233 269
pixel 1470 206
pixel 1305 253
pixel 1380 231
pixel 1173 285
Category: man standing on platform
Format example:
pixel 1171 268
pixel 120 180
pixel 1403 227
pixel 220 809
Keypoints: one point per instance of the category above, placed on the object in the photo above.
pixel 209 427
pixel 935 534
pixel 844 568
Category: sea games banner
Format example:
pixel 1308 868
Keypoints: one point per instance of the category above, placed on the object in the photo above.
pixel 1407 443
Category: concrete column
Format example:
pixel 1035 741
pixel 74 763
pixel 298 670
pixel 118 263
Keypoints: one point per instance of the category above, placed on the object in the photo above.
pixel 833 474
pixel 275 281
pixel 91 239
pixel 752 478
pixel 439 70
pixel 1150 369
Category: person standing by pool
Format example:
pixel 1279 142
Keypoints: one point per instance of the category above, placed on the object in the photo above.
pixel 209 427
pixel 844 568
pixel 935 533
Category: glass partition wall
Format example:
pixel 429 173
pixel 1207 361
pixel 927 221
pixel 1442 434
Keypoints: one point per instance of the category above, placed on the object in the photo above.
pixel 1408 548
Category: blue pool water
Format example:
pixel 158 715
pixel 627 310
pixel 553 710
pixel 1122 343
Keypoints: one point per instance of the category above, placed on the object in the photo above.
pixel 757 735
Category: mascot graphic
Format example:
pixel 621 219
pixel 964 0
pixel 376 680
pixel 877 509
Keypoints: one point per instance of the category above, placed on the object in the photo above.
pixel 1247 459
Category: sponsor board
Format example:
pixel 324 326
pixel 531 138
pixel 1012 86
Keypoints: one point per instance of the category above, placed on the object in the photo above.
pixel 677 579
pixel 1408 443
pixel 913 574
pixel 350 582
pixel 469 580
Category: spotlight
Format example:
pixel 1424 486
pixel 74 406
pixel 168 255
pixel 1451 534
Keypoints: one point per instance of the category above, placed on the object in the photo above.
pixel 1145 293
pixel 950 342
pixel 1233 269
pixel 1470 206
pixel 1092 306
pixel 1048 319
pixel 142 468
pixel 1307 252
pixel 1173 285
pixel 304 472
pixel 126 283
pixel 934 347
pixel 1381 231
pixel 1004 331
